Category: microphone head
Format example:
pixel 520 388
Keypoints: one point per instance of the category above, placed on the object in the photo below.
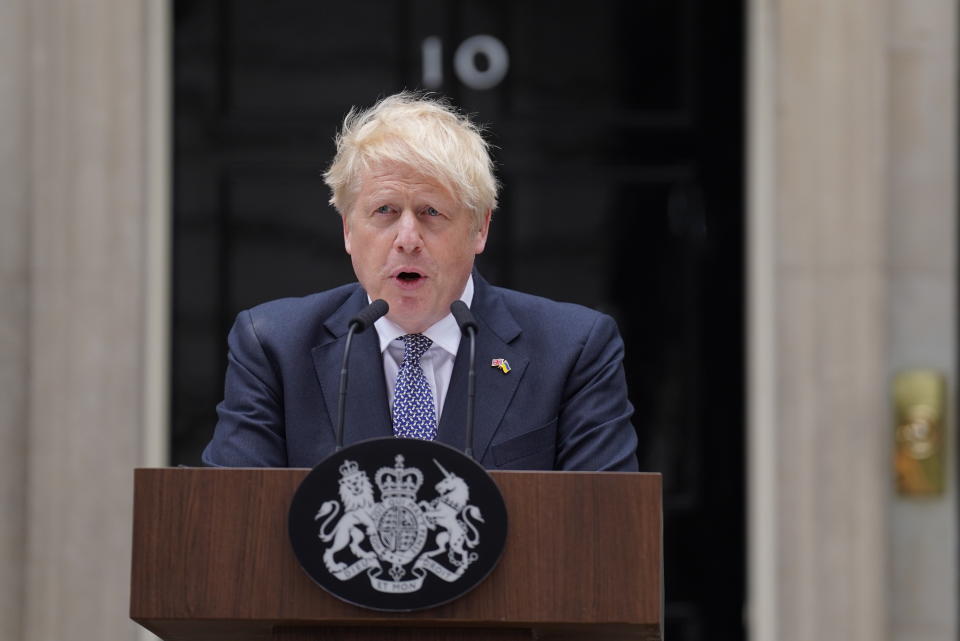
pixel 463 316
pixel 369 315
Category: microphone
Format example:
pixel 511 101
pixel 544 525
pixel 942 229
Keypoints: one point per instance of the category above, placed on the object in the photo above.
pixel 369 314
pixel 461 313
pixel 367 317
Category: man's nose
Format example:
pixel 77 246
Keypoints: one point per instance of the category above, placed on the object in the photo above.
pixel 408 237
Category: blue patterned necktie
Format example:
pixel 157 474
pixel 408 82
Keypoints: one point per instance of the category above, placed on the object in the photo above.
pixel 414 415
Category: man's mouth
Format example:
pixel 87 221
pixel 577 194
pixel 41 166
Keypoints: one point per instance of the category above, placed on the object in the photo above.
pixel 409 279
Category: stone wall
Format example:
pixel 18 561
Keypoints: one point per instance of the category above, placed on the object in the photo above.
pixel 852 278
pixel 74 274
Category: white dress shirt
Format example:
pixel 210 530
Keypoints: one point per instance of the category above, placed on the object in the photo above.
pixel 436 362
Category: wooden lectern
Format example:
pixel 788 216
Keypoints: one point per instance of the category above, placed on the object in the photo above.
pixel 211 561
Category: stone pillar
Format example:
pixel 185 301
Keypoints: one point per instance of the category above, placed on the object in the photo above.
pixel 922 297
pixel 818 331
pixel 73 272
pixel 14 312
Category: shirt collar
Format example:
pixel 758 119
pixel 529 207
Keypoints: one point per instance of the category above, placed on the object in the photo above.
pixel 444 333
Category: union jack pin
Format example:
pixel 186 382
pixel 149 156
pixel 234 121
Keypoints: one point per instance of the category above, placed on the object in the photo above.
pixel 501 364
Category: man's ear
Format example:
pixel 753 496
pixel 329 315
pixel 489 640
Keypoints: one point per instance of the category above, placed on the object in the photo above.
pixel 346 232
pixel 481 241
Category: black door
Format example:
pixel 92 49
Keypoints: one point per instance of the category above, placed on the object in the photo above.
pixel 619 134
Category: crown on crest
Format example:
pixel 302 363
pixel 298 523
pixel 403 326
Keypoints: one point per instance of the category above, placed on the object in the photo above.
pixel 399 481
pixel 348 469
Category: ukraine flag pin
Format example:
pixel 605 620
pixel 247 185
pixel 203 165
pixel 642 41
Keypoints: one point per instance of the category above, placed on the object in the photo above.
pixel 501 364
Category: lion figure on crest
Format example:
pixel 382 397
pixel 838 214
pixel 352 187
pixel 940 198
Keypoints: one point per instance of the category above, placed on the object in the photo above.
pixel 356 494
pixel 450 512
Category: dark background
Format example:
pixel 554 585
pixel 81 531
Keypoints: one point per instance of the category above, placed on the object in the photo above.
pixel 619 141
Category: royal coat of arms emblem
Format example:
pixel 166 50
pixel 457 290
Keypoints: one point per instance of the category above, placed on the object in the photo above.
pixel 398 524
pixel 389 537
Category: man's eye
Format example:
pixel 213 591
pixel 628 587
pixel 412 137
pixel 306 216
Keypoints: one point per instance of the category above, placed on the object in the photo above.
pixel 430 211
pixel 382 209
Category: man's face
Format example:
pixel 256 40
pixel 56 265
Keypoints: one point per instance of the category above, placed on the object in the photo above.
pixel 411 244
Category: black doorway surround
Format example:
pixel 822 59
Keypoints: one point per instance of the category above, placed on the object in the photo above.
pixel 619 134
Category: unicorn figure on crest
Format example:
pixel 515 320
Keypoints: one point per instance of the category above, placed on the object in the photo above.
pixel 451 512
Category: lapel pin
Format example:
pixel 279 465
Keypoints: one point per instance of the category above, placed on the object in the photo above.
pixel 501 364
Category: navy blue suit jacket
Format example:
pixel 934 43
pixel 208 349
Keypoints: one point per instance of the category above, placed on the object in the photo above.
pixel 562 406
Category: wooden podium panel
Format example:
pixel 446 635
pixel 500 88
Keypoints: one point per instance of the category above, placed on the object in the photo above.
pixel 212 561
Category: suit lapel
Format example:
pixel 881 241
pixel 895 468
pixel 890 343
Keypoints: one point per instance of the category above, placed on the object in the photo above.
pixel 366 415
pixel 495 390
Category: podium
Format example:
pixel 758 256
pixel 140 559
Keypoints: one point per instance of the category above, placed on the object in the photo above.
pixel 212 562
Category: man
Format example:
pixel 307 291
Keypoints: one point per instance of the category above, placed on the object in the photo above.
pixel 413 183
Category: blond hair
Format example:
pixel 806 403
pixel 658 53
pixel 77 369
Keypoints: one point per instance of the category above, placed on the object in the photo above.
pixel 422 132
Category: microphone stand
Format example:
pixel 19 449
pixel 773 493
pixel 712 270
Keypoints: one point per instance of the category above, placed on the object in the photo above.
pixel 358 323
pixel 471 390
pixel 468 326
pixel 342 398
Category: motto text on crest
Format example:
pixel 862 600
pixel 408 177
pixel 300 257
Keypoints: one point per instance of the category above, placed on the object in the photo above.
pixel 395 530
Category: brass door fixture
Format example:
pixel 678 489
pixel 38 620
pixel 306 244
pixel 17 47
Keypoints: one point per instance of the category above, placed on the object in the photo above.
pixel 919 412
